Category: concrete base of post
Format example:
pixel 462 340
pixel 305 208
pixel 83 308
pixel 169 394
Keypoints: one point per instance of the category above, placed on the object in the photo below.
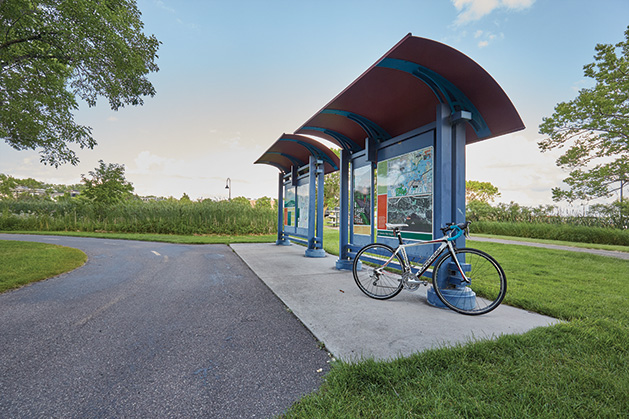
pixel 315 253
pixel 344 265
pixel 465 298
pixel 283 242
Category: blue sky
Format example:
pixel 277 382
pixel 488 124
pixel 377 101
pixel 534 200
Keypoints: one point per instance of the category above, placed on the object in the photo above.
pixel 235 75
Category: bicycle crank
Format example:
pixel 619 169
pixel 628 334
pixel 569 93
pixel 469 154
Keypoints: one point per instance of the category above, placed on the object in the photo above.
pixel 411 282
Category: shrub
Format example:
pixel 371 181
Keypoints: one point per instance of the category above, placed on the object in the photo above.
pixel 564 232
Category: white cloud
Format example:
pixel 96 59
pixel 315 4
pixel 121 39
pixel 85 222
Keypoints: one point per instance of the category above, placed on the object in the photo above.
pixel 160 4
pixel 516 166
pixel 472 10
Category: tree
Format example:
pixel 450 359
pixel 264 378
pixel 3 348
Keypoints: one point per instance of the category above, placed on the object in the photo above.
pixel 595 129
pixel 7 184
pixel 107 184
pixel 480 191
pixel 52 52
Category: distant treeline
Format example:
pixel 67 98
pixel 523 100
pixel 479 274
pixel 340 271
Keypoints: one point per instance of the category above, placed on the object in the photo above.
pixel 135 216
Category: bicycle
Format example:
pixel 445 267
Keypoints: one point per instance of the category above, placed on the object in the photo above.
pixel 466 280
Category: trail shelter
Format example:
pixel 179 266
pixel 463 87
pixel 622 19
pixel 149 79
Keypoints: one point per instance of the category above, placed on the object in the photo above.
pixel 402 127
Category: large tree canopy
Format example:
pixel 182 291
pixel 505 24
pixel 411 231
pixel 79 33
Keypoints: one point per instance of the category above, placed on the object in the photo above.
pixel 595 128
pixel 52 52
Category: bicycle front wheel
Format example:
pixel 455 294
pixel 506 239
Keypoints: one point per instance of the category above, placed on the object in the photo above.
pixel 381 274
pixel 484 292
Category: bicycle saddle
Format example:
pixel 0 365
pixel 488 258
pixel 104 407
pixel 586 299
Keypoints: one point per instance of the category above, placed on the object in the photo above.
pixel 395 226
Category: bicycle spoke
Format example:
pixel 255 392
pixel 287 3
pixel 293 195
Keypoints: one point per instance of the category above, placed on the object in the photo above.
pixel 484 292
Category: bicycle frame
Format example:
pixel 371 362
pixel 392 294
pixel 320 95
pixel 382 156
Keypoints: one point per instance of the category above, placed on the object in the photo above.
pixel 446 243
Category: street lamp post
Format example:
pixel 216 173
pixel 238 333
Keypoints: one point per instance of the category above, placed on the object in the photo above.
pixel 228 185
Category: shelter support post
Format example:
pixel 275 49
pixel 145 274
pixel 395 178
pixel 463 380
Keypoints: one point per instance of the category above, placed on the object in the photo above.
pixel 449 166
pixel 344 262
pixel 315 248
pixel 281 240
pixel 320 198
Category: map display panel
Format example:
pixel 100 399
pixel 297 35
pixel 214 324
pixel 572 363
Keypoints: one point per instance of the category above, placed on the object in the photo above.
pixel 405 193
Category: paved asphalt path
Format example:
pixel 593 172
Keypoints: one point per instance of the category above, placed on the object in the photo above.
pixel 152 330
pixel 599 252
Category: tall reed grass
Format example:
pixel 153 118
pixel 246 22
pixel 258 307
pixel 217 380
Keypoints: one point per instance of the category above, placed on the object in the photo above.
pixel 158 217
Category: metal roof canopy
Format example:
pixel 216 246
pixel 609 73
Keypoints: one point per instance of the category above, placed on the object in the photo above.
pixel 401 91
pixel 295 150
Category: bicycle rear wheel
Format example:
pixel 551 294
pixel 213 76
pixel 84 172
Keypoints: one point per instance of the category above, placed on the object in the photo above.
pixel 487 287
pixel 381 273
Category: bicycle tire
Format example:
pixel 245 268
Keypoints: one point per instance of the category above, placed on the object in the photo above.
pixel 488 283
pixel 380 286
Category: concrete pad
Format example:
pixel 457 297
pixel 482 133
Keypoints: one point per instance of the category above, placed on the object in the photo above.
pixel 353 326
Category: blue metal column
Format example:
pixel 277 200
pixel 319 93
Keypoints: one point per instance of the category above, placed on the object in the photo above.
pixel 344 262
pixel 312 251
pixel 352 205
pixel 442 166
pixel 281 240
pixel 449 205
pixel 374 192
pixel 320 199
pixel 458 177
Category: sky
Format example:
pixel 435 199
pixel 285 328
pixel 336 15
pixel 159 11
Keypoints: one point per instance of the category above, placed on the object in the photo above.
pixel 237 74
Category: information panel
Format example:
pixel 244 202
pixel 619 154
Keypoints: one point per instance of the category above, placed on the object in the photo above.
pixel 405 194
pixel 362 200
pixel 289 206
pixel 303 197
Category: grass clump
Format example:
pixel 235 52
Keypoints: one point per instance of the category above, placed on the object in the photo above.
pixel 25 262
pixel 547 372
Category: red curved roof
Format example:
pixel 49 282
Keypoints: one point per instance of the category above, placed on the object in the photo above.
pixel 397 94
pixel 291 149
pixel 394 98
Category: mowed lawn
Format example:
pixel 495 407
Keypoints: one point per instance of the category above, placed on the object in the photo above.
pixel 25 262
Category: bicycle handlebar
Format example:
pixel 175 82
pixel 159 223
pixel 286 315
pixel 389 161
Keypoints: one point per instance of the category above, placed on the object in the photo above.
pixel 458 229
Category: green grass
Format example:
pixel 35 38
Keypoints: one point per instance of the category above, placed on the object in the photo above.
pixel 25 262
pixel 563 284
pixel 575 370
pixel 579 368
pixel 166 238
